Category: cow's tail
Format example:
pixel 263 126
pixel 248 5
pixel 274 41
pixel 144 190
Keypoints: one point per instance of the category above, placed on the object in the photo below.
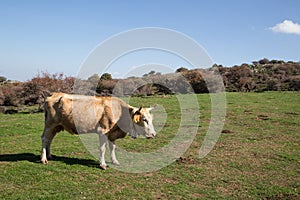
pixel 59 99
pixel 43 96
pixel 46 93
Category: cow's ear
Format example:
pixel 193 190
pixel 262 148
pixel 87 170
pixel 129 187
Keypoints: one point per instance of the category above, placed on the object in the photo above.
pixel 137 118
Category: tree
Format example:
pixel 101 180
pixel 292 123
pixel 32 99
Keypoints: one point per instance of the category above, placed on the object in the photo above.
pixel 2 79
pixel 181 69
pixel 263 61
pixel 106 76
pixel 151 73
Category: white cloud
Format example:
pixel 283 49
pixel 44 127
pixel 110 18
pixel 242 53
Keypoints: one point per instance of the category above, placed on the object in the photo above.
pixel 287 26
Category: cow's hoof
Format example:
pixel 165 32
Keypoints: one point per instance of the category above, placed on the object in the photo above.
pixel 115 162
pixel 44 162
pixel 103 167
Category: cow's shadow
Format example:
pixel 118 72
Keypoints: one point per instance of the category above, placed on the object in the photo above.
pixel 36 159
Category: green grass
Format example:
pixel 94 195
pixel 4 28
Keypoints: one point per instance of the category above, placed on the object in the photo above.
pixel 258 157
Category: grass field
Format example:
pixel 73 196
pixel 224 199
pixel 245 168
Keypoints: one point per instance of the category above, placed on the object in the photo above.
pixel 256 157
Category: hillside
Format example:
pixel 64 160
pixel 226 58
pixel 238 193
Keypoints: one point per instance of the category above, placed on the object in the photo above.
pixel 260 76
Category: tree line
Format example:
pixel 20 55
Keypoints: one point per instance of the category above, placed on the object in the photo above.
pixel 259 76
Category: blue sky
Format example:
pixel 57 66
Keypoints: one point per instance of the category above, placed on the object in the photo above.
pixel 57 36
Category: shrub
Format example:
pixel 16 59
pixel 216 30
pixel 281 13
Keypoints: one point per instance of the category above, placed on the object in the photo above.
pixel 45 82
pixel 106 76
pixel 10 94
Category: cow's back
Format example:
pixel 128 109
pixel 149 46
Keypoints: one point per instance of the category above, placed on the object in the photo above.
pixel 83 114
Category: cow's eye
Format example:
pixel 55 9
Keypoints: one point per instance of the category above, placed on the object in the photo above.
pixel 145 120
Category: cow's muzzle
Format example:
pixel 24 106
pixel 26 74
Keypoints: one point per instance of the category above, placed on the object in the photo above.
pixel 150 136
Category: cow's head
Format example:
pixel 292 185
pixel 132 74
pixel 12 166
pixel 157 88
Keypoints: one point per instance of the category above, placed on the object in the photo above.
pixel 142 122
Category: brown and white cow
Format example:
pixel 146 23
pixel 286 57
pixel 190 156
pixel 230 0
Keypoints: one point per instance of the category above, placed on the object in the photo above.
pixel 110 117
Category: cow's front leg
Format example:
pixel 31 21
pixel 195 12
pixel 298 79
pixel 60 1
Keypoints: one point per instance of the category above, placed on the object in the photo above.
pixel 113 157
pixel 103 140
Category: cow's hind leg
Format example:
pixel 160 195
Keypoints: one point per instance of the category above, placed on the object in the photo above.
pixel 47 138
pixel 103 140
pixel 113 157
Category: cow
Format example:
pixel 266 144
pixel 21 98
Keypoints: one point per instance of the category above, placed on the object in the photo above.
pixel 109 117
